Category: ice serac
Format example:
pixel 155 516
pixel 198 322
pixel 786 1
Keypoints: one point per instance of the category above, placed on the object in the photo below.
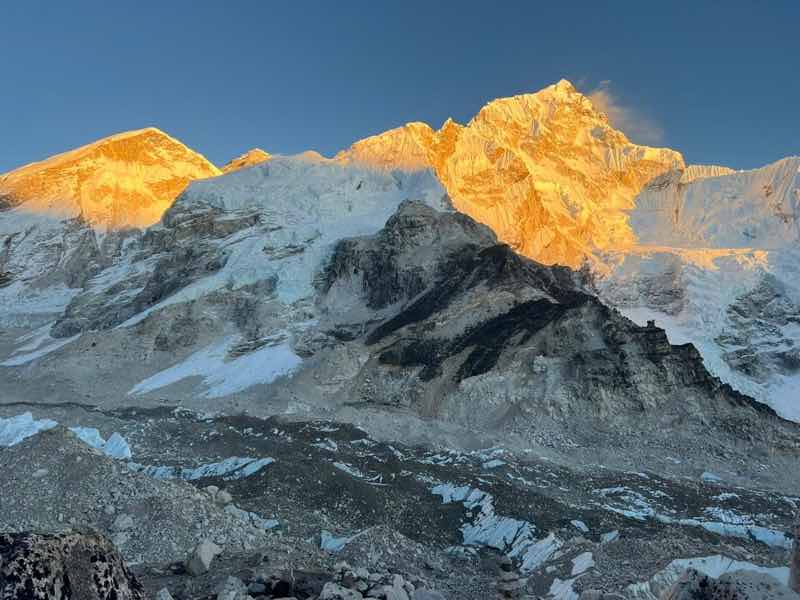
pixel 122 181
pixel 252 157
pixel 546 171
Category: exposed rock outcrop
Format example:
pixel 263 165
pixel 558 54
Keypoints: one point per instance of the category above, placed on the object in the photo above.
pixel 64 567
pixel 472 331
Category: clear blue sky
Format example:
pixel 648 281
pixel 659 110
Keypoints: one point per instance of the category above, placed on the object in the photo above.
pixel 720 79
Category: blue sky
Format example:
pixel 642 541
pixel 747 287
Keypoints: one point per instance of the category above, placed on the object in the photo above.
pixel 718 81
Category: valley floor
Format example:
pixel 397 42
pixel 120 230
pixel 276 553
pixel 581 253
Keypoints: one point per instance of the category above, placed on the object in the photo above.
pixel 307 492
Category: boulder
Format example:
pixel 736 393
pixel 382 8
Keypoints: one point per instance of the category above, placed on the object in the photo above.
pixel 200 559
pixel 64 566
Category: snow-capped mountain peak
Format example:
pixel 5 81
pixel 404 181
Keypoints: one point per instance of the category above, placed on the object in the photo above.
pixel 546 171
pixel 252 157
pixel 124 180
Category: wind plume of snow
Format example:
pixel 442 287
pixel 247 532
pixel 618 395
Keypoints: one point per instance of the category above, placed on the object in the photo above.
pixel 637 126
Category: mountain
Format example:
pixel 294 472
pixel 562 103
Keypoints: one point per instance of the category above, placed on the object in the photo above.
pixel 232 271
pixel 552 178
pixel 248 159
pixel 315 286
pixel 311 356
pixel 125 180
pixel 716 265
pixel 66 218
pixel 546 171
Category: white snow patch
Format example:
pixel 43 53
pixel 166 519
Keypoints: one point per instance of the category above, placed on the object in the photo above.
pixel 709 477
pixel 562 590
pixel 331 543
pixel 582 563
pixel 115 447
pixel 494 463
pixel 713 566
pixel 224 377
pixel 514 537
pixel 16 360
pixel 580 526
pixel 327 444
pixel 609 536
pixel 231 468
pixel 15 429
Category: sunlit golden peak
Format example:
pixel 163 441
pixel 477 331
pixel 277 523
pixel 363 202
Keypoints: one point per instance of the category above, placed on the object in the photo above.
pixel 252 157
pixel 125 180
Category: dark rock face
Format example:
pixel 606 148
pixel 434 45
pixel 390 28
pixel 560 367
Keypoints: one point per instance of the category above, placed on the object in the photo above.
pixel 385 261
pixel 182 254
pixel 69 566
pixel 463 308
pixel 758 318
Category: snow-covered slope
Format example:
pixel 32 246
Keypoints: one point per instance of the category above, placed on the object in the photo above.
pixel 125 180
pixel 748 209
pixel 718 265
pixel 224 287
pixel 546 171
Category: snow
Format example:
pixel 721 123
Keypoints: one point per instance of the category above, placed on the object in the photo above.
pixel 493 464
pixel 223 376
pixel 703 245
pixel 26 357
pixel 580 526
pixel 327 444
pixel 331 543
pixel 514 537
pixel 302 203
pixel 116 446
pixel 538 553
pixel 229 469
pixel 562 590
pixel 15 429
pixel 350 470
pixel 746 209
pixel 609 536
pixel 635 505
pixel 582 563
pixel 713 566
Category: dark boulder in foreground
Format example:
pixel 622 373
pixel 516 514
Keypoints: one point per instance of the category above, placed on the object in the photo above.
pixel 66 566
